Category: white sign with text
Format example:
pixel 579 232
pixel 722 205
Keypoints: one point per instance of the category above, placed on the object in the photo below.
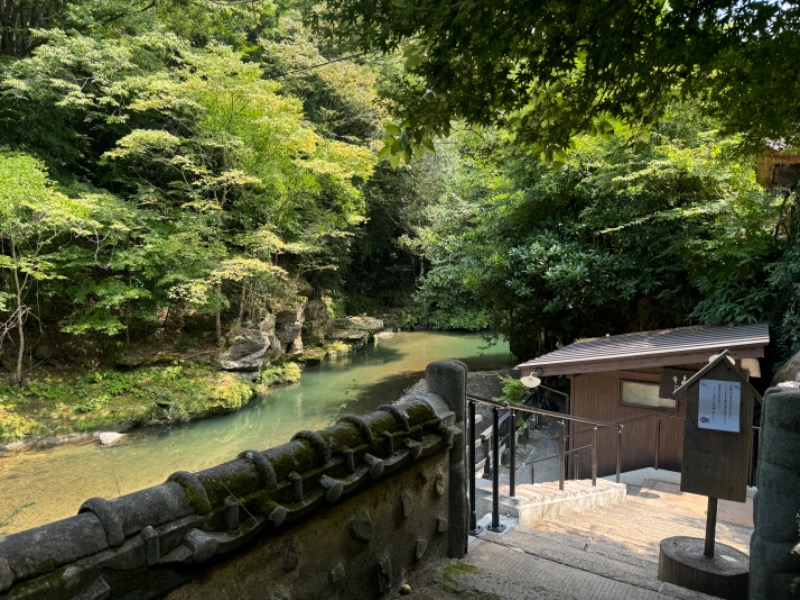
pixel 720 403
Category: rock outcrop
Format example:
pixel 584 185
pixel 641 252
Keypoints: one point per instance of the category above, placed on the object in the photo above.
pixel 251 347
pixel 317 325
pixel 254 346
pixel 355 330
pixel 789 371
pixel 288 327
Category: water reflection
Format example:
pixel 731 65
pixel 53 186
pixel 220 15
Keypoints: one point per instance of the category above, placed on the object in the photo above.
pixel 59 479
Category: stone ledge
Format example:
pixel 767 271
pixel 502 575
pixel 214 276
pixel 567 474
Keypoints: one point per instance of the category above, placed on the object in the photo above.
pixel 544 500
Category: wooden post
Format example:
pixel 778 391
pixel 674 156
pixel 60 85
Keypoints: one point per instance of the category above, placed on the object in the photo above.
pixel 711 527
pixel 717 445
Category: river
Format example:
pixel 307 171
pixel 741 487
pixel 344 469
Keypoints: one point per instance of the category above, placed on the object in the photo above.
pixel 57 480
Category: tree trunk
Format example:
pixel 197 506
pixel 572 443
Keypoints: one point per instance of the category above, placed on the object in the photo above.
pixel 21 349
pixel 20 316
pixel 219 315
pixel 242 303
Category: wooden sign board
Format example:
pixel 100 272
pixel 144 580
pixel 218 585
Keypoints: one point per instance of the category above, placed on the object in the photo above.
pixel 718 436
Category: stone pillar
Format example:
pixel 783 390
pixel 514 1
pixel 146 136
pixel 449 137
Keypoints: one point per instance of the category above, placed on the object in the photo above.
pixel 448 379
pixel 774 566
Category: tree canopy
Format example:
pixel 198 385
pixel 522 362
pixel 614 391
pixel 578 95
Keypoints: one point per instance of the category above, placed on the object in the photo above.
pixel 555 68
pixel 227 187
pixel 632 234
pixel 198 163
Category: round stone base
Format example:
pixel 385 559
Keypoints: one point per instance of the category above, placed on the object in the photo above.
pixel 682 562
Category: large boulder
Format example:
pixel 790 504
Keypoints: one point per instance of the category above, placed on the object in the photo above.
pixel 288 327
pixel 788 372
pixel 317 325
pixel 367 324
pixel 267 328
pixel 355 331
pixel 248 347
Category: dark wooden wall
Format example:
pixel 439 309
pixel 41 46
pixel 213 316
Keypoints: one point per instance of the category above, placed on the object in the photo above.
pixel 597 396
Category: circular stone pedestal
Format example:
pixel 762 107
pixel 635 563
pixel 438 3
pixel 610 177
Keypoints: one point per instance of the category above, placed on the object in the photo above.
pixel 682 562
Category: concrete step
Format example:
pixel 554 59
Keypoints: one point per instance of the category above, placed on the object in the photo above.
pixel 636 525
pixel 607 553
pixel 519 566
pixel 578 546
pixel 534 502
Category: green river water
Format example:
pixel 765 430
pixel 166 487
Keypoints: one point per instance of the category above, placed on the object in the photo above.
pixel 59 479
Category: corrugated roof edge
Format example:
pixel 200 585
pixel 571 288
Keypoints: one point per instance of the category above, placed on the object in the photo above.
pixel 612 347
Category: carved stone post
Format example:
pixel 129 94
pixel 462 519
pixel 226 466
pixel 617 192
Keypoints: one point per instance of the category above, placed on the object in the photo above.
pixel 448 379
pixel 774 565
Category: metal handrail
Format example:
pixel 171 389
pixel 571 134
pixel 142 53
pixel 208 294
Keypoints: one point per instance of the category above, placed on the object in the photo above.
pixel 573 451
pixel 562 454
pixel 650 418
pixel 596 425
pixel 541 411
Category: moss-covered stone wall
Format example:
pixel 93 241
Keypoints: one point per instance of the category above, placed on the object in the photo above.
pixel 341 512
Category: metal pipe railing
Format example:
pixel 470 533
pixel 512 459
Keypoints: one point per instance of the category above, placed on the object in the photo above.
pixel 658 441
pixel 540 411
pixel 594 457
pixel 492 466
pixel 496 527
pixel 574 451
pixel 473 515
pixel 562 457
pixel 512 454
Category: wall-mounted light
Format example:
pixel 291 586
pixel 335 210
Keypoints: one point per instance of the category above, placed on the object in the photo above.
pixel 752 366
pixel 530 381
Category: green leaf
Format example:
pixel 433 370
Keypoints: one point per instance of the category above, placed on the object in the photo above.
pixel 395 159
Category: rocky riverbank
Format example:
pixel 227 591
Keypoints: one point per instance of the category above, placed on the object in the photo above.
pixel 168 384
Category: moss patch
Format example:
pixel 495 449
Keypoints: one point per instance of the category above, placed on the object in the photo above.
pixel 457 568
pixel 289 372
pixel 450 579
pixel 332 351
pixel 63 403
pixel 338 350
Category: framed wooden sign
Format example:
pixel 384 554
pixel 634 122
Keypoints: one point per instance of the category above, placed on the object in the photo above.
pixel 718 438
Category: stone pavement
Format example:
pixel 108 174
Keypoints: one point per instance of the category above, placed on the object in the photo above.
pixel 607 553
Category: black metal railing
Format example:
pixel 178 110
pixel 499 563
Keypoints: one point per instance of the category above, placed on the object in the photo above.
pixel 492 457
pixel 494 454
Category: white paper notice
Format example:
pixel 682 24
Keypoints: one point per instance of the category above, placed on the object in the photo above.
pixel 720 402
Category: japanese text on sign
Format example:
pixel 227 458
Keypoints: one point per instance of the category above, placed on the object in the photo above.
pixel 719 405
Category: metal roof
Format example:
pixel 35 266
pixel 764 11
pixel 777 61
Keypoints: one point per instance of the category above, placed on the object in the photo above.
pixel 683 345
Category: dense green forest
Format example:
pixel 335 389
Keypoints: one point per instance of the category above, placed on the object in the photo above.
pixel 174 170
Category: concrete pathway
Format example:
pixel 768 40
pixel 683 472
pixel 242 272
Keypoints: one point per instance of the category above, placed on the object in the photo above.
pixel 608 553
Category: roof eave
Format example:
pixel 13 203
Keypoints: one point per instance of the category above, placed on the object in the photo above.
pixel 640 361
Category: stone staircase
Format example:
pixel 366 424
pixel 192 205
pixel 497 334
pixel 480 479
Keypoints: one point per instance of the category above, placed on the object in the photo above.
pixel 534 502
pixel 603 553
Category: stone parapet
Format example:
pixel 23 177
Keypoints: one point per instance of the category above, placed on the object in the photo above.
pixel 347 508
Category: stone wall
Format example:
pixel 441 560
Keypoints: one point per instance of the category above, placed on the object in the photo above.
pixel 774 558
pixel 338 513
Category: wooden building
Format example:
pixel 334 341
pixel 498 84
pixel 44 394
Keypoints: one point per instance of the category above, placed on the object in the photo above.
pixel 630 378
